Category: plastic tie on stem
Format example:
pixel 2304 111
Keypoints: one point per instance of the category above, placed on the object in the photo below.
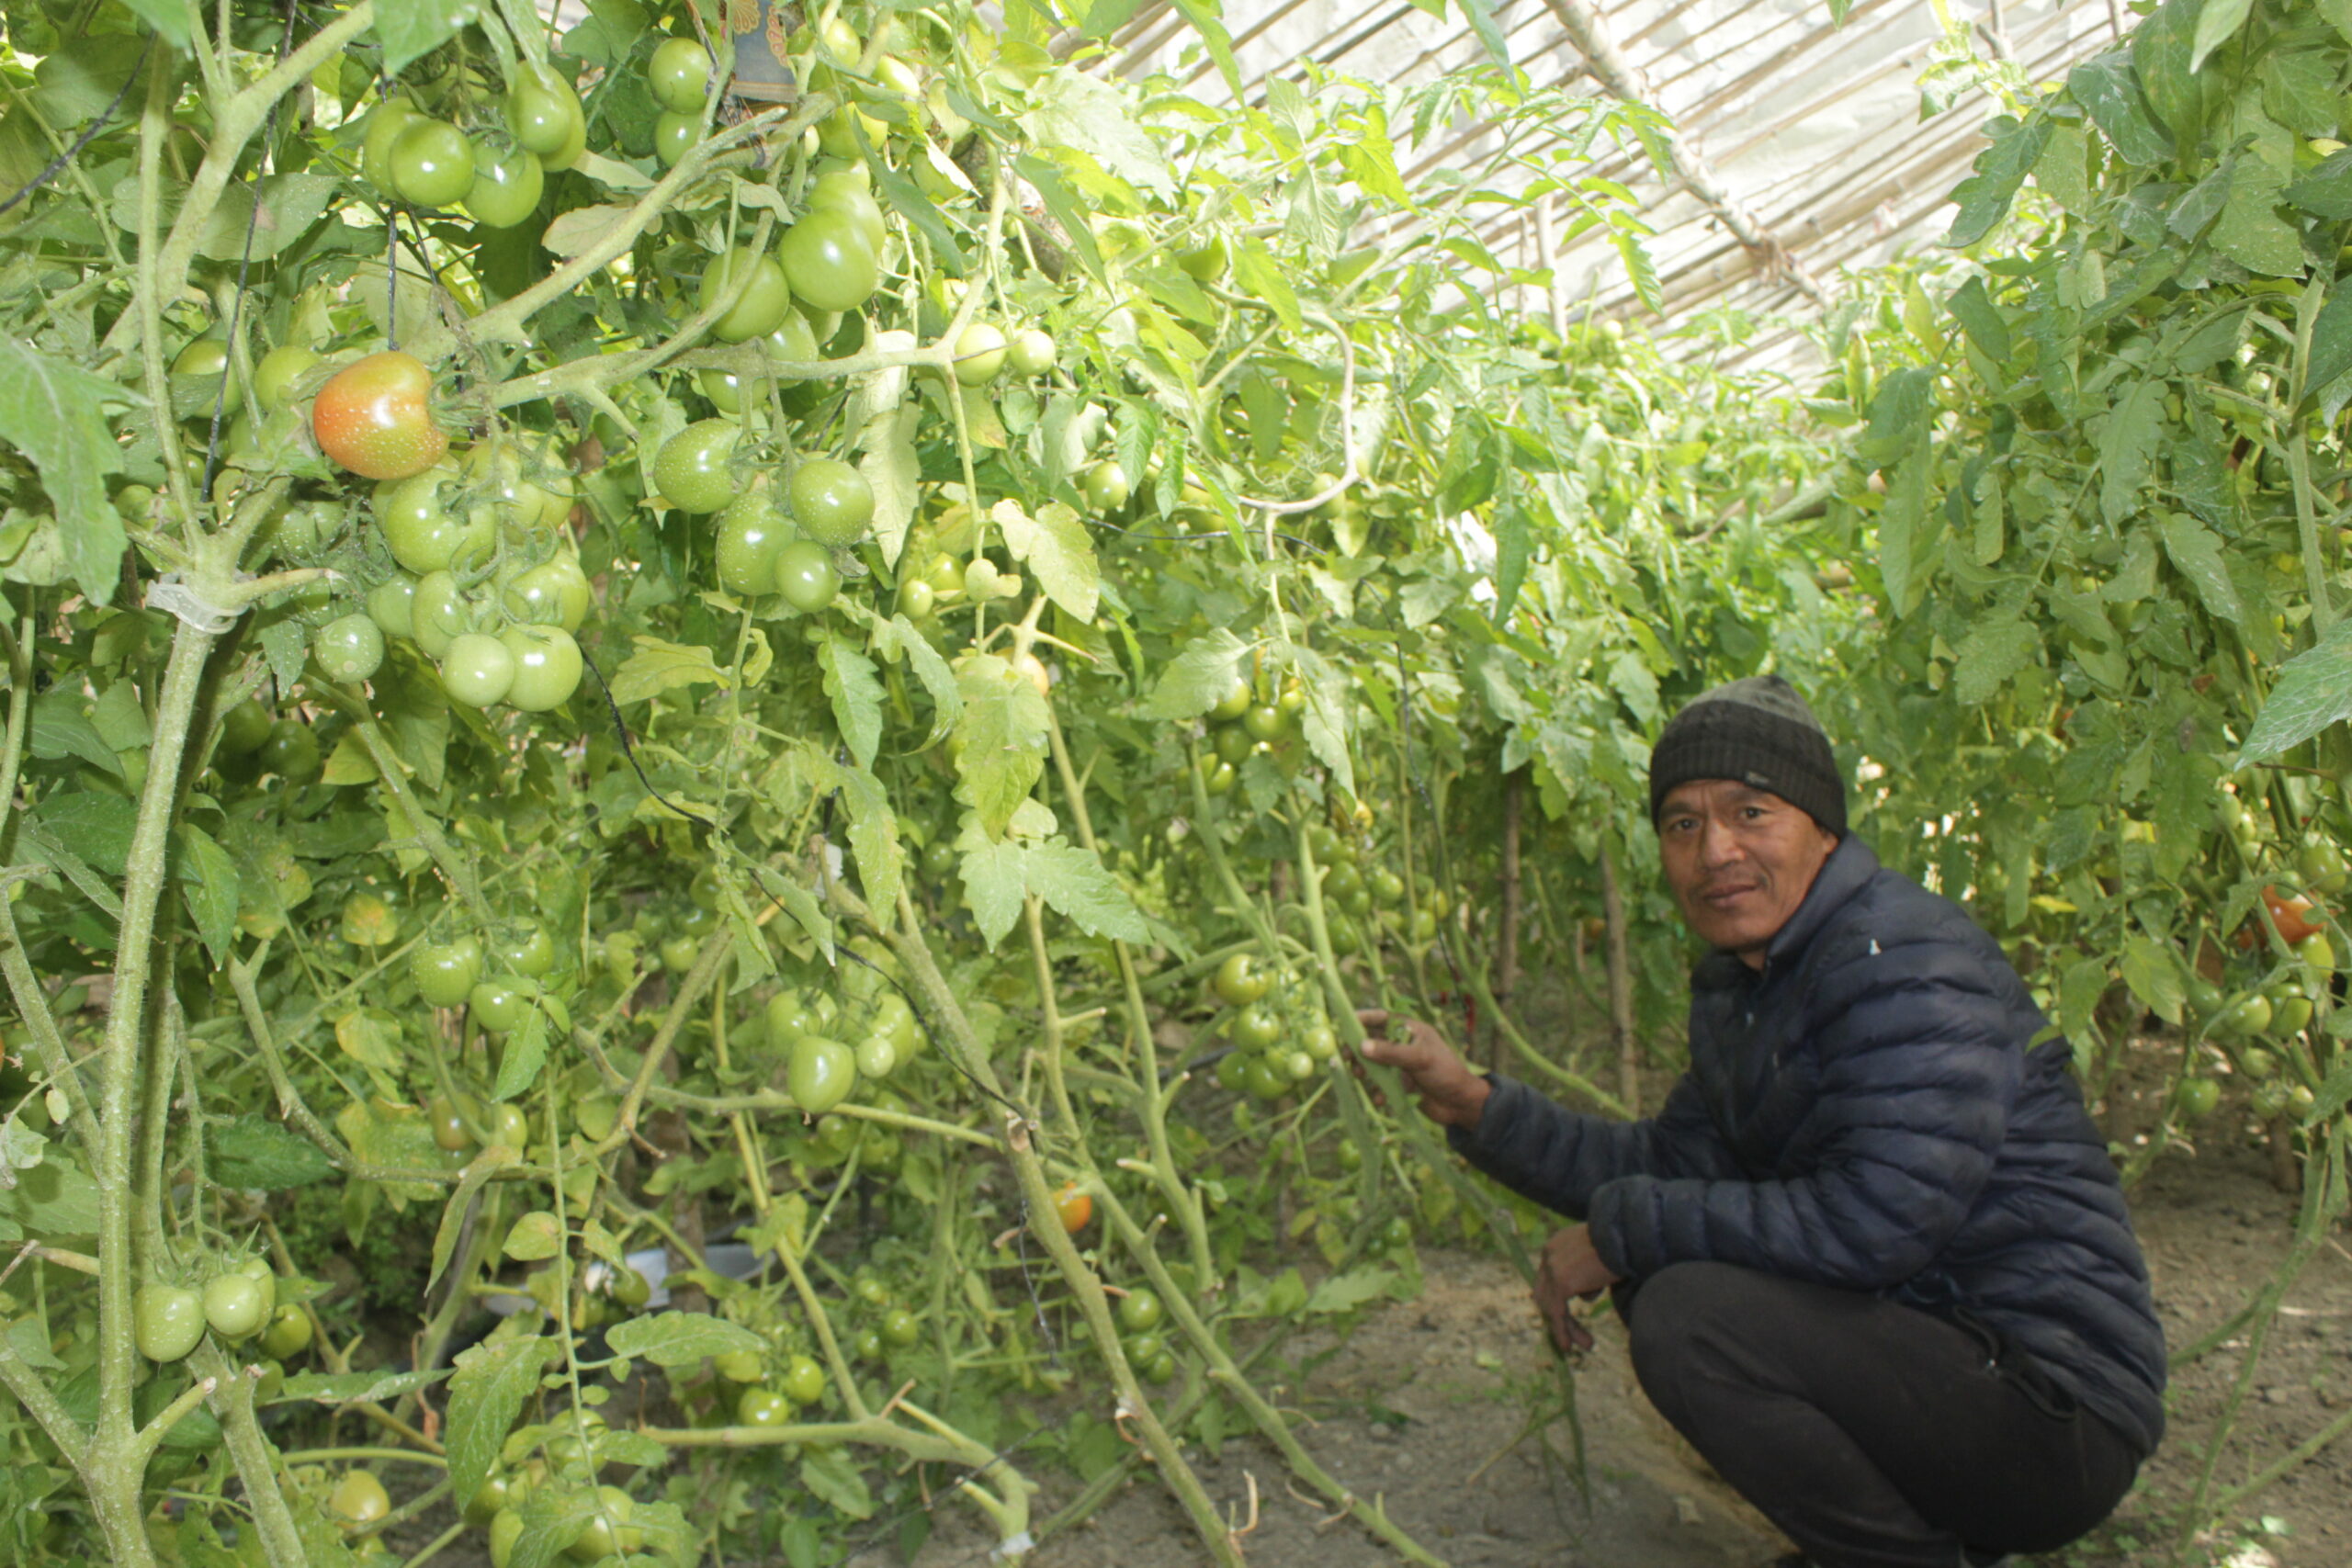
pixel 1014 1548
pixel 170 594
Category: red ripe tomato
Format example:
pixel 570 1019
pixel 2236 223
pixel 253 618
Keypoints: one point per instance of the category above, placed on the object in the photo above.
pixel 372 418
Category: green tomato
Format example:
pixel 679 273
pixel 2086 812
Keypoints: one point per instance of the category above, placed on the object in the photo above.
pixel 359 1499
pixel 1257 1027
pixel 740 1366
pixel 543 111
pixel 448 1119
pixel 831 502
pixel 385 123
pixel 505 1534
pixel 1033 352
pixel 424 533
pixel 392 604
pixel 548 667
pixel 2318 952
pixel 1263 1080
pixel 245 730
pixel 821 1074
pixel 288 1334
pixel 234 1306
pixel 691 470
pixel 431 162
pixel 1206 261
pixel 2320 865
pixel 522 947
pixel 877 1056
pixel 478 671
pixel 901 1327
pixel 805 576
pixel 1139 1311
pixel 1233 1071
pixel 845 192
pixel 496 1493
pixel 765 298
pixel 507 186
pixel 609 1530
pixel 291 751
pixel 438 613
pixel 827 261
pixel 166 1321
pixel 277 376
pixel 553 593
pixel 1239 981
pixel 803 1381
pixel 1160 1369
pixel 1266 722
pixel 350 648
pixel 752 535
pixel 762 1407
pixel 1104 486
pixel 789 1017
pixel 679 74
pixel 1237 701
pixel 679 953
pixel 674 135
pixel 499 1004
pixel 979 354
pixel 1218 776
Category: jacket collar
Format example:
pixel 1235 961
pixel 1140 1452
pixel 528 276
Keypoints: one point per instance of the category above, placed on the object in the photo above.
pixel 1850 866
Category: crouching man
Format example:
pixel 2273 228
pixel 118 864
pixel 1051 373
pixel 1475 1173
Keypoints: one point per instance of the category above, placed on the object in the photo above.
pixel 1871 1251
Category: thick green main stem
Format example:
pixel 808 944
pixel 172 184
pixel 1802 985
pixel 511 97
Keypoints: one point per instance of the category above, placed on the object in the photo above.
pixel 113 1478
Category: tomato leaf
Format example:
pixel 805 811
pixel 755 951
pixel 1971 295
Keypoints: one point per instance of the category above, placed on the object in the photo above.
pixel 1995 650
pixel 253 1154
pixel 1073 110
pixel 2110 93
pixel 1003 730
pixel 993 887
pixel 1196 679
pixel 525 1053
pixel 832 1476
pixel 2151 970
pixel 1055 545
pixel 2313 691
pixel 486 1394
pixel 676 1339
pixel 487 1164
pixel 658 666
pixel 534 1237
pixel 890 465
pixel 352 1388
pixel 857 695
pixel 55 413
pixel 2218 21
pixel 873 836
pixel 1074 882
pixel 1984 197
pixel 413 28
pixel 2196 554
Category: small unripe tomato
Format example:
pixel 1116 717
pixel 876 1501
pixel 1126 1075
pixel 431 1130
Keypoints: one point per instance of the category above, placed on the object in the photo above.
pixel 360 1499
pixel 167 1321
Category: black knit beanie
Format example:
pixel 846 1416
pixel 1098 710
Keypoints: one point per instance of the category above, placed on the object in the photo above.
pixel 1758 732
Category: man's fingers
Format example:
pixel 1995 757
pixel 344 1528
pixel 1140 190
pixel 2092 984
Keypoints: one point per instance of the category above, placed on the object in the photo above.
pixel 1373 1019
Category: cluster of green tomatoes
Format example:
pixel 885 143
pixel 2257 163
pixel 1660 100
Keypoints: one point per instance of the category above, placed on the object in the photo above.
pixel 237 1304
pixel 1280 1034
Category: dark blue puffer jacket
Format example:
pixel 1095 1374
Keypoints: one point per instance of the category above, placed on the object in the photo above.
pixel 1865 1112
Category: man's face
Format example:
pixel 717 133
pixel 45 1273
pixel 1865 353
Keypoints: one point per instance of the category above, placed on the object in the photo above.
pixel 1739 860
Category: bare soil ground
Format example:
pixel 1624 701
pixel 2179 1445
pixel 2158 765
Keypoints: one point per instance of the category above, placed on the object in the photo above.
pixel 1426 1410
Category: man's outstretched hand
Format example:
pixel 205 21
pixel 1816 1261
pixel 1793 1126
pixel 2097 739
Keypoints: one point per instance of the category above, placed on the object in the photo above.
pixel 1451 1095
pixel 1569 1268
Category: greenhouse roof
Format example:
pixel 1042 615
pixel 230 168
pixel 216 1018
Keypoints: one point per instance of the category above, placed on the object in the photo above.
pixel 1806 146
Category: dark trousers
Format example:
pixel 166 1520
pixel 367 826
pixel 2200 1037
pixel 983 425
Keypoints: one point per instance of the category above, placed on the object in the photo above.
pixel 1875 1435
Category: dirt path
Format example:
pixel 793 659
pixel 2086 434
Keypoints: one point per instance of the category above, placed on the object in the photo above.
pixel 1425 1409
